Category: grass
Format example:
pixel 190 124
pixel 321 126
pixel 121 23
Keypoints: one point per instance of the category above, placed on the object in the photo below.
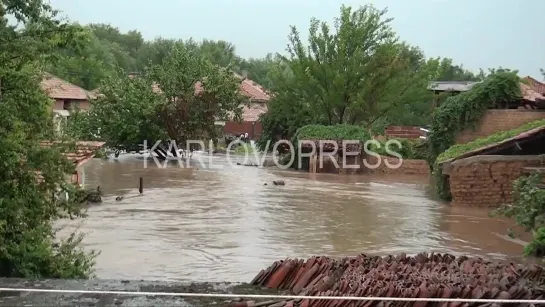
pixel 460 149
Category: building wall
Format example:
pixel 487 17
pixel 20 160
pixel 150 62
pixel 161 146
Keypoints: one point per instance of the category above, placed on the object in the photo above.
pixel 487 181
pixel 499 120
pixel 405 132
pixel 407 167
pixel 236 128
pixel 82 104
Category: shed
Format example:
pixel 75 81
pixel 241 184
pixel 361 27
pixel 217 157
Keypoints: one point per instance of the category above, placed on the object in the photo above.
pixel 484 176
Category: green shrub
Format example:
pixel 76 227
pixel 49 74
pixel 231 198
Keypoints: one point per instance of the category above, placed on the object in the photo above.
pixel 335 133
pixel 410 149
pixel 528 209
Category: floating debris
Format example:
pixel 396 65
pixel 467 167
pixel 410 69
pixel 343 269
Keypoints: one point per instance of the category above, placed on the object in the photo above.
pixel 421 276
pixel 279 182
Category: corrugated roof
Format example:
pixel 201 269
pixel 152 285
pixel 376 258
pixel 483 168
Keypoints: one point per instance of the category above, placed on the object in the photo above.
pixel 451 86
pixel 58 88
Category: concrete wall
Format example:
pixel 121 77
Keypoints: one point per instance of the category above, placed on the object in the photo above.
pixel 405 132
pixel 487 181
pixel 499 120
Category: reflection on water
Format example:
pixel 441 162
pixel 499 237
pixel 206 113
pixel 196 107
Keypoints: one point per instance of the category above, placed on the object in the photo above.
pixel 203 224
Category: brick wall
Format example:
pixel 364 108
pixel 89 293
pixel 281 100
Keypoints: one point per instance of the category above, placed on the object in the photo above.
pixel 406 132
pixel 407 167
pixel 499 120
pixel 236 128
pixel 487 181
pixel 329 166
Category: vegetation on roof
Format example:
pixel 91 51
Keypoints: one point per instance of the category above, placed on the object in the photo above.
pixel 460 149
pixel 466 109
pixel 463 111
pixel 335 133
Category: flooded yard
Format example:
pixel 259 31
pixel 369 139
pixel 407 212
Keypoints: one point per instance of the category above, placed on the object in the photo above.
pixel 202 224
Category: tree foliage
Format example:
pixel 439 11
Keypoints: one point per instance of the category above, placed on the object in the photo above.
pixel 179 99
pixel 358 73
pixel 27 208
pixel 464 111
pixel 528 210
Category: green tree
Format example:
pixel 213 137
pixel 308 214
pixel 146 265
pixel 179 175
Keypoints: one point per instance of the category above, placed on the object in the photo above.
pixel 123 115
pixel 356 74
pixel 27 208
pixel 190 94
pixel 189 114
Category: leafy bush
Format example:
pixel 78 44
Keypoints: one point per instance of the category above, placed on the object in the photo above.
pixel 334 133
pixel 463 111
pixel 409 148
pixel 528 209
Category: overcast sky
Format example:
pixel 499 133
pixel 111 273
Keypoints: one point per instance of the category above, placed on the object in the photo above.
pixel 478 33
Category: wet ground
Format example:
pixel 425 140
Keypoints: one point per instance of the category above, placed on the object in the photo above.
pixel 223 224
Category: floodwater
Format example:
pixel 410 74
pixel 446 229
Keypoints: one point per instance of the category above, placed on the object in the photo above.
pixel 224 224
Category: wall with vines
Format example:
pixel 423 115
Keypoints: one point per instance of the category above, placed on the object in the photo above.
pixel 463 111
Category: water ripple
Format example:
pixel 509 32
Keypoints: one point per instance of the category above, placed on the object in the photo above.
pixel 197 224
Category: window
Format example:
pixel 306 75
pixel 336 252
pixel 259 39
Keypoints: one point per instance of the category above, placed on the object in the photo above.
pixel 67 105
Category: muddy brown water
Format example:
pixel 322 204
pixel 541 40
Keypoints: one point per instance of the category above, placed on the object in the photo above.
pixel 223 223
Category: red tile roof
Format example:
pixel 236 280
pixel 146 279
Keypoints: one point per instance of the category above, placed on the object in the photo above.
pixel 247 88
pixel 252 113
pixel 57 88
pixel 529 93
pixel 84 151
pixel 536 85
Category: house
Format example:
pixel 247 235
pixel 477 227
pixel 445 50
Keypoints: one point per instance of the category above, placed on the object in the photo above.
pixel 66 95
pixel 83 152
pixel 484 176
pixel 536 85
pixel 257 105
pixel 258 99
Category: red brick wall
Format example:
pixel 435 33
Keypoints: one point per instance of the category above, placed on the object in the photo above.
pixel 243 127
pixel 499 120
pixel 406 132
pixel 487 181
pixel 408 166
